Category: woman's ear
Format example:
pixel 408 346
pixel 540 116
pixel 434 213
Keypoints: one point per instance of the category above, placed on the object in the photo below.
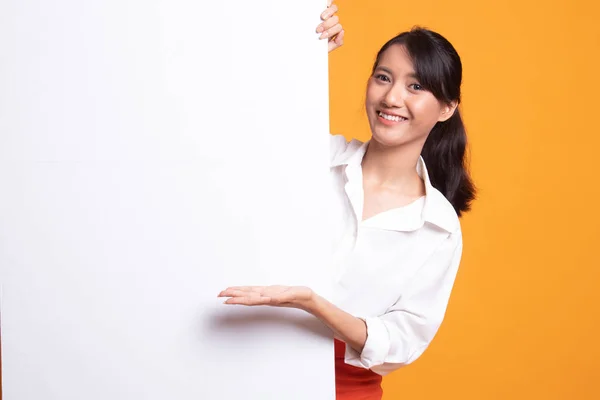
pixel 447 111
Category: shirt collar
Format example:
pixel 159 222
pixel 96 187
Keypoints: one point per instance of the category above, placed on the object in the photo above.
pixel 436 210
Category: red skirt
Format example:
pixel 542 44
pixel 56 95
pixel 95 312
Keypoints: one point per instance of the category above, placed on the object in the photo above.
pixel 353 383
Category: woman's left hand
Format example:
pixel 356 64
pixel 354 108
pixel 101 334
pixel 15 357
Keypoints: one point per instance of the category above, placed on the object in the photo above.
pixel 279 296
pixel 346 327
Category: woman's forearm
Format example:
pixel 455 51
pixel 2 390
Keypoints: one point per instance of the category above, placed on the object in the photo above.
pixel 346 327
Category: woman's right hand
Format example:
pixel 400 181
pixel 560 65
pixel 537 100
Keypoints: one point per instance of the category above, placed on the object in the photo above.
pixel 331 28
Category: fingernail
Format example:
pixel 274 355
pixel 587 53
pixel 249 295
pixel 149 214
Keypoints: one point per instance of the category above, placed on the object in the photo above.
pixel 319 29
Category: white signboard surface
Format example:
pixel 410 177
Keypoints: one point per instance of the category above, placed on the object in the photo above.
pixel 153 153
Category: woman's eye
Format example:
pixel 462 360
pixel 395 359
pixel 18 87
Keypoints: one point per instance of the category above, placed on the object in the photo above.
pixel 416 86
pixel 382 78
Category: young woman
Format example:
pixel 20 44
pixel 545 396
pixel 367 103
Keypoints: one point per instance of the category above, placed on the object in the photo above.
pixel 399 197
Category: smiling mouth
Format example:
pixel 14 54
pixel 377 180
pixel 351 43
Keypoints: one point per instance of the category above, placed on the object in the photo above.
pixel 388 117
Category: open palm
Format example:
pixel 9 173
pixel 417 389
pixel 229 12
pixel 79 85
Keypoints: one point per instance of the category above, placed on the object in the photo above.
pixel 278 296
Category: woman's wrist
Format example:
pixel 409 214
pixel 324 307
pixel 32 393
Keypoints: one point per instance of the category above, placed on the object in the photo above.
pixel 323 310
pixel 346 327
pixel 312 303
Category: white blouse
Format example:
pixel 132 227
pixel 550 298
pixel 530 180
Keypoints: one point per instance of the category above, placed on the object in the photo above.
pixel 396 269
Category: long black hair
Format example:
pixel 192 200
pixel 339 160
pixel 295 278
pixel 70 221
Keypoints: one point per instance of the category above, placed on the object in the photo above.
pixel 439 70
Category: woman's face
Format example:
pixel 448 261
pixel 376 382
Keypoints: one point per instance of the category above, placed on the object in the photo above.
pixel 399 110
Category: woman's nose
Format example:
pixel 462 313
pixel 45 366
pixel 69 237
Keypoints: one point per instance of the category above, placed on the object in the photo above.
pixel 394 97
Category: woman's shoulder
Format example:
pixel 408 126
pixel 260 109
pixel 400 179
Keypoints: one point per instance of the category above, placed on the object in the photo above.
pixel 340 147
pixel 439 211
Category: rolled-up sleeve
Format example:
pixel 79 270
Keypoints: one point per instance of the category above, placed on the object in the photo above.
pixel 402 334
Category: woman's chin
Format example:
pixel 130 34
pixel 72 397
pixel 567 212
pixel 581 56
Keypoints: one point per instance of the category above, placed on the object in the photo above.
pixel 388 139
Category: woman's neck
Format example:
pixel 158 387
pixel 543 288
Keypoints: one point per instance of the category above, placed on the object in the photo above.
pixel 392 167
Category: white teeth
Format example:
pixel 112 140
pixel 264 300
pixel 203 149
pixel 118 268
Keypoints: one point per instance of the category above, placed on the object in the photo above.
pixel 391 117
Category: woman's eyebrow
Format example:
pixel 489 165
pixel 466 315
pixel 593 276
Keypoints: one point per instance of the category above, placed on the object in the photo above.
pixel 412 75
pixel 384 69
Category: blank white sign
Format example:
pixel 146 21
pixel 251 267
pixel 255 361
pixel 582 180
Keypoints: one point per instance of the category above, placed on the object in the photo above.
pixel 153 153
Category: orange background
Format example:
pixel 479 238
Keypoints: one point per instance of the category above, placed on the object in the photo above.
pixel 524 318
